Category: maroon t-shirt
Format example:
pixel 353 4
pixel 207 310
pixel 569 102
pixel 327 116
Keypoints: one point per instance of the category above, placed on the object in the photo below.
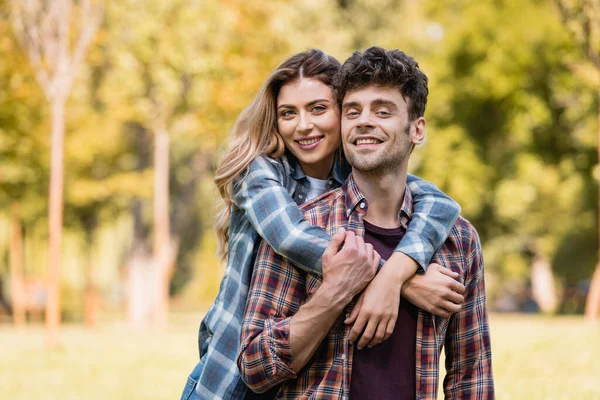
pixel 387 371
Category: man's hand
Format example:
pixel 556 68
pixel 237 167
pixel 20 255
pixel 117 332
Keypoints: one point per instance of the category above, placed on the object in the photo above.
pixel 436 291
pixel 348 271
pixel 376 310
pixel 345 273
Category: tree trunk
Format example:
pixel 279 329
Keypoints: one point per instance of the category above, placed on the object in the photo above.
pixel 141 298
pixel 91 297
pixel 162 236
pixel 592 303
pixel 17 284
pixel 543 288
pixel 55 220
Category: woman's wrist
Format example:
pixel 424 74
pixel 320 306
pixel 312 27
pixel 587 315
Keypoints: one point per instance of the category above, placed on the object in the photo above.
pixel 399 267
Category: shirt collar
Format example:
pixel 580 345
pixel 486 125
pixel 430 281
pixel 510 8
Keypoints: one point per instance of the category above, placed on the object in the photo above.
pixel 355 200
pixel 336 173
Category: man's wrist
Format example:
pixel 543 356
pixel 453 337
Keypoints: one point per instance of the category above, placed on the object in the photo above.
pixel 332 296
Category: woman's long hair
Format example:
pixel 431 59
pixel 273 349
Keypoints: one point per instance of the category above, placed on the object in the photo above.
pixel 255 130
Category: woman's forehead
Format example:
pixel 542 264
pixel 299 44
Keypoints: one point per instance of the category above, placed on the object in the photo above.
pixel 303 91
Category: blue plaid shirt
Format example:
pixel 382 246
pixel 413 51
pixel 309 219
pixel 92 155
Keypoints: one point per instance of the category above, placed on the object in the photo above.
pixel 267 200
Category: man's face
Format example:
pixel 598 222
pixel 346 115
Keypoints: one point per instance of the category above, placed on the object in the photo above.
pixel 376 132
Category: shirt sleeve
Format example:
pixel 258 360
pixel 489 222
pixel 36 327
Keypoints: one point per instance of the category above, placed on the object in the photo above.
pixel 467 346
pixel 433 217
pixel 276 292
pixel 262 196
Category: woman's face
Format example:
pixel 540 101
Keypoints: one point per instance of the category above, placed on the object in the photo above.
pixel 309 123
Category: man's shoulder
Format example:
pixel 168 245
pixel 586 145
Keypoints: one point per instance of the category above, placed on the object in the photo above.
pixel 464 236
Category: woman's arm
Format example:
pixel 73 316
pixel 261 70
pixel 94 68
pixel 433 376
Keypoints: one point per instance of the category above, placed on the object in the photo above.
pixel 262 196
pixel 433 216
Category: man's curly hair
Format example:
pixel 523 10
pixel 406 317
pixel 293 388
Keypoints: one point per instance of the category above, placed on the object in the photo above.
pixel 387 68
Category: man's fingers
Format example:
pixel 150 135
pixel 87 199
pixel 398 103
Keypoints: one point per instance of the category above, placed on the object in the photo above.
pixel 369 250
pixel 367 334
pixel 360 246
pixel 335 243
pixel 376 260
pixel 452 307
pixel 457 287
pixel 350 241
pixel 446 271
pixel 355 310
pixel 455 297
pixel 357 328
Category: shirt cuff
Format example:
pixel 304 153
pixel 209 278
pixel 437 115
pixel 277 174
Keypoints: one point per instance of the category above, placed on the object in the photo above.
pixel 276 336
pixel 416 248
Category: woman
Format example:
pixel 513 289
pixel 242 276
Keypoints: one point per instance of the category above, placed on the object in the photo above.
pixel 285 149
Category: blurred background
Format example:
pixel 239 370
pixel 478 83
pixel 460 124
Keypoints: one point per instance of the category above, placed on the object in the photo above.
pixel 113 117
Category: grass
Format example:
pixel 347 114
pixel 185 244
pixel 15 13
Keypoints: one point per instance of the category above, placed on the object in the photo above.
pixel 535 357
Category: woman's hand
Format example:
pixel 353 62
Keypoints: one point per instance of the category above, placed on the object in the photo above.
pixel 376 310
pixel 436 291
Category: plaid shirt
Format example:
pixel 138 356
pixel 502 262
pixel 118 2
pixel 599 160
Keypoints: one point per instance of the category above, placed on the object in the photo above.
pixel 267 201
pixel 278 289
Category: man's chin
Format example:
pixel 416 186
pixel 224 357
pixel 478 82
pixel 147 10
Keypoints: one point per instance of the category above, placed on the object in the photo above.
pixel 366 166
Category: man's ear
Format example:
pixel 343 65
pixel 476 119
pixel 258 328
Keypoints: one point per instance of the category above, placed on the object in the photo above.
pixel 418 133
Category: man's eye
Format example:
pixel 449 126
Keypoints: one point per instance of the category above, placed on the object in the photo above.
pixel 352 114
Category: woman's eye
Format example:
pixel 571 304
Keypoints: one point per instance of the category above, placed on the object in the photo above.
pixel 287 113
pixel 319 109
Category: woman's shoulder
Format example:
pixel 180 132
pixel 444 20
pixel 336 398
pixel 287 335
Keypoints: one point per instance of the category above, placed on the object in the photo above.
pixel 265 164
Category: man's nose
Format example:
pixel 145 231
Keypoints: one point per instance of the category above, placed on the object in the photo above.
pixel 364 121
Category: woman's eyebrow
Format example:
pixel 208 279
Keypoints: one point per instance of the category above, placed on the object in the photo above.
pixel 286 106
pixel 312 103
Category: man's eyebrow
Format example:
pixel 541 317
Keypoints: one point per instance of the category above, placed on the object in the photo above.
pixel 351 104
pixel 384 102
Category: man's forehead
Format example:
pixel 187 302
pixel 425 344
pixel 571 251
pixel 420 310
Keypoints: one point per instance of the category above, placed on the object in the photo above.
pixel 373 94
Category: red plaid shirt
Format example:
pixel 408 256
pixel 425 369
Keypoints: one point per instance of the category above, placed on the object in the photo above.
pixel 278 290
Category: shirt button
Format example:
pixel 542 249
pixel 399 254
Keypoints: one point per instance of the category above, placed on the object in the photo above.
pixel 330 181
pixel 347 315
pixel 343 356
pixel 300 196
pixel 362 205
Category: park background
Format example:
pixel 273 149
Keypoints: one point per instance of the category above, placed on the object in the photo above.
pixel 102 288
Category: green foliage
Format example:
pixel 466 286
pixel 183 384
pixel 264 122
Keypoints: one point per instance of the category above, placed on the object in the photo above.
pixel 512 122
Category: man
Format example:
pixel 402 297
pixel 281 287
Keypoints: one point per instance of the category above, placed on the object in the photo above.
pixel 294 333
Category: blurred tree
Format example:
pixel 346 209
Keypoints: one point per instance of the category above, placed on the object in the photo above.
pixel 43 29
pixel 512 139
pixel 582 18
pixel 22 171
pixel 159 49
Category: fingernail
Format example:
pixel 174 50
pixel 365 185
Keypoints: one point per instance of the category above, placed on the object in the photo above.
pixel 359 348
pixel 340 230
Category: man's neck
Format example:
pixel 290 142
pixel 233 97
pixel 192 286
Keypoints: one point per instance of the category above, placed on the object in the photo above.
pixel 385 195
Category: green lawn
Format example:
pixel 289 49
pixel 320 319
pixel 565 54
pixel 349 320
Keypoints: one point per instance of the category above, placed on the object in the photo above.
pixel 534 358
